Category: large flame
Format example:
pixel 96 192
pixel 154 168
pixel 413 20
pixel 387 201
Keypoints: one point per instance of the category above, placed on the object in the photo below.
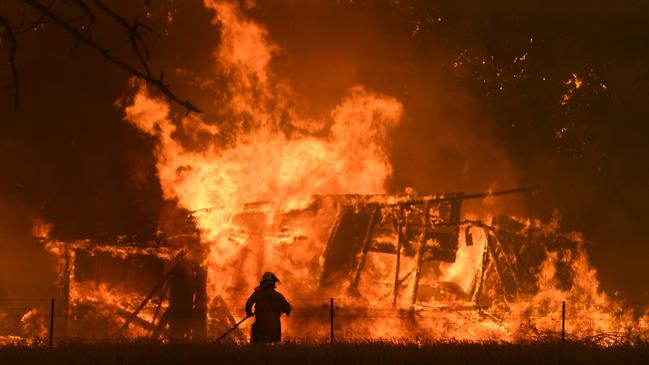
pixel 275 159
pixel 270 160
pixel 266 159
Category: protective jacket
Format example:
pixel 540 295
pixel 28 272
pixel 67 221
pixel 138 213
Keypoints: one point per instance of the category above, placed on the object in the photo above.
pixel 269 305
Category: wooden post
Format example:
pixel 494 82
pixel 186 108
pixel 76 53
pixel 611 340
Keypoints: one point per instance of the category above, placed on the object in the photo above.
pixel 491 247
pixel 563 322
pixel 420 253
pixel 395 293
pixel 200 303
pixel 475 298
pixel 331 319
pixel 52 323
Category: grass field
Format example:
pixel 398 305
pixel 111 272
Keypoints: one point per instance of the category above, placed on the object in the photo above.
pixel 374 353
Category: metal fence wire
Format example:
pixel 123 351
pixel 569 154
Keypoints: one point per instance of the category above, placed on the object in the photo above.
pixel 48 321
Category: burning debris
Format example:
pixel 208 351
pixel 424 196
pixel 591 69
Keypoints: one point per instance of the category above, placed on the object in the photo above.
pixel 427 227
pixel 268 188
pixel 410 262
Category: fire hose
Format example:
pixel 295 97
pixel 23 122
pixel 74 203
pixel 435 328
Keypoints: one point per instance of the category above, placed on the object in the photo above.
pixel 232 329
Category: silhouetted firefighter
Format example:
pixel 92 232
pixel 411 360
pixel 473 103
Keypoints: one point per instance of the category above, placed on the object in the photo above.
pixel 269 306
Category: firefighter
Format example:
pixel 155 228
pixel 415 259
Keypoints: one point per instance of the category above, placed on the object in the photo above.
pixel 269 306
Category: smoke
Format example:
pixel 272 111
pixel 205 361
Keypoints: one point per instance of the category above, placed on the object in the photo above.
pixel 443 142
pixel 18 249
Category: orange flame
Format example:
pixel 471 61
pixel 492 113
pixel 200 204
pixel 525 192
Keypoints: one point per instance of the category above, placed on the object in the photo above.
pixel 249 197
pixel 267 164
pixel 41 229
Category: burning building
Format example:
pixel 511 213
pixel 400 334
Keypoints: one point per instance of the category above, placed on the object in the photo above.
pixel 398 266
pixel 267 186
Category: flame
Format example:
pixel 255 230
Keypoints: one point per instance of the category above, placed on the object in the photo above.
pixel 28 328
pixel 252 191
pixel 264 163
pixel 41 229
pixel 272 161
pixel 33 323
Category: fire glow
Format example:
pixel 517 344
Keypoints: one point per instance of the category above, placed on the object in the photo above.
pixel 269 199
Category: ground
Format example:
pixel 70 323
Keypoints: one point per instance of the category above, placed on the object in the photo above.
pixel 340 353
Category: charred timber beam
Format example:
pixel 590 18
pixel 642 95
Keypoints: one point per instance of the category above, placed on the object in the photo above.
pixel 163 294
pixel 160 327
pixel 397 222
pixel 406 277
pixel 137 320
pixel 334 230
pixel 479 280
pixel 155 289
pixel 332 234
pixel 512 287
pixel 494 259
pixel 365 249
pixel 500 192
pixel 200 304
pixel 391 200
pixel 420 252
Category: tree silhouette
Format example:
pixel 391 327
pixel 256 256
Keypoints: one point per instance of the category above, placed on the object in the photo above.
pixel 31 15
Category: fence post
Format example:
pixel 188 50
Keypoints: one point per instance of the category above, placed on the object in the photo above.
pixel 563 322
pixel 331 319
pixel 52 322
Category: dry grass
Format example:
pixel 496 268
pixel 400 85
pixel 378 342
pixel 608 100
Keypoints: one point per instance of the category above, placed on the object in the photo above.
pixel 374 353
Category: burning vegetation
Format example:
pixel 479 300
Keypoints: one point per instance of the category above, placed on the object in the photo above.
pixel 268 188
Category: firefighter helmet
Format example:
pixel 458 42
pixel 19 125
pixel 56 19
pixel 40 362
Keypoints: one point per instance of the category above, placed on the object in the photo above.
pixel 269 277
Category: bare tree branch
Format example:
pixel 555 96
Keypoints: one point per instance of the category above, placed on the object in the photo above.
pixel 133 35
pixel 91 21
pixel 134 31
pixel 12 56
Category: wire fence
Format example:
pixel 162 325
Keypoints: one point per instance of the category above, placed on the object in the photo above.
pixel 49 321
